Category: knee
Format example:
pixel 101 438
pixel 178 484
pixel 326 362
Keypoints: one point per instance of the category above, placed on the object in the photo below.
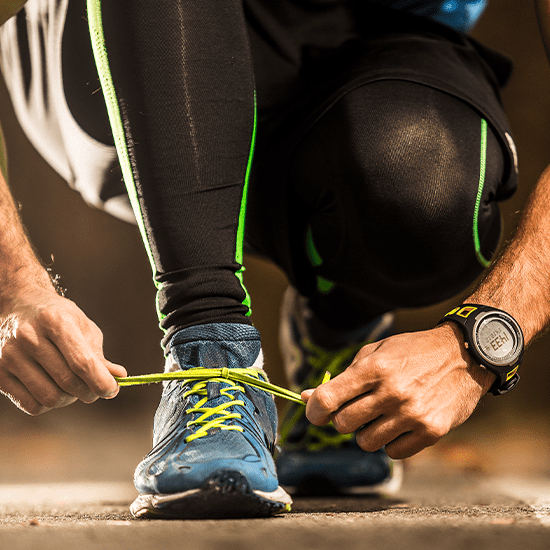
pixel 402 167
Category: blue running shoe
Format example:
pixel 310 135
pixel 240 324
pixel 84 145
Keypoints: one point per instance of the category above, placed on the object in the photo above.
pixel 213 439
pixel 319 459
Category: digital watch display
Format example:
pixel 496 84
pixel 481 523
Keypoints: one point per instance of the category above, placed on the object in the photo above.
pixel 494 339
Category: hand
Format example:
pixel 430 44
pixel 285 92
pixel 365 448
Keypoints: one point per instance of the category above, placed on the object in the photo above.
pixel 51 354
pixel 404 393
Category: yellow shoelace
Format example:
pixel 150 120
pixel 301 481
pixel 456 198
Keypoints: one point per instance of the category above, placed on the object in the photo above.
pixel 224 375
pixel 244 376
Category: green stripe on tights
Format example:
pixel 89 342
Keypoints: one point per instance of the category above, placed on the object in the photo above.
pixel 242 214
pixel 482 168
pixel 95 24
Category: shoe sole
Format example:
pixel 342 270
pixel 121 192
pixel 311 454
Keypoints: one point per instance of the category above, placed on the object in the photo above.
pixel 224 495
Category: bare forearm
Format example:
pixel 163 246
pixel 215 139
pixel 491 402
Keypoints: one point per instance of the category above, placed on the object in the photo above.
pixel 51 354
pixel 519 282
pixel 19 266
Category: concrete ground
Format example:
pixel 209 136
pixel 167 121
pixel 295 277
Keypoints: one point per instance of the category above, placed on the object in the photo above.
pixel 436 508
pixel 65 483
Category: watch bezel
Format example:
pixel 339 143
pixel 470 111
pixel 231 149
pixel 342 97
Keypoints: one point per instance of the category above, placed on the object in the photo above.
pixel 511 358
pixel 469 317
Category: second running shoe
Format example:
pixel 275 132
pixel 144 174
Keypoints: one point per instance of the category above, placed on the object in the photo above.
pixel 319 459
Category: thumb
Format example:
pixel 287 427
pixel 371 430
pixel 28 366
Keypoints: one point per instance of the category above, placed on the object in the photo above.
pixel 306 394
pixel 116 370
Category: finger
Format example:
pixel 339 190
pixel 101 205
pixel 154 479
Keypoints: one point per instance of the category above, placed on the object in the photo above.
pixel 306 394
pixel 328 398
pixel 50 359
pixel 408 444
pixel 21 370
pixel 18 394
pixel 380 432
pixel 41 385
pixel 83 360
pixel 358 412
pixel 92 333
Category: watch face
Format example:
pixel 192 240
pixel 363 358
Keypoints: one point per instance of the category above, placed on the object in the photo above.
pixel 496 340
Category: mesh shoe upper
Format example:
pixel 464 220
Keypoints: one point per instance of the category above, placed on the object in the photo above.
pixel 208 426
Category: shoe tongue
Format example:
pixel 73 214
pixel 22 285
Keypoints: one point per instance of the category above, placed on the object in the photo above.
pixel 213 390
pixel 208 346
pixel 213 356
pixel 220 345
pixel 214 395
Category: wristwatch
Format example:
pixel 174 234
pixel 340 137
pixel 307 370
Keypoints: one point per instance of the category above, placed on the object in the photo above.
pixel 494 339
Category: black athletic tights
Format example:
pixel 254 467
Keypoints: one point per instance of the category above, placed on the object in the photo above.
pixel 396 183
pixel 184 89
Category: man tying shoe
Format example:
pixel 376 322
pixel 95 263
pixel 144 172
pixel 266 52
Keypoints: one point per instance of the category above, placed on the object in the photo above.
pixel 360 146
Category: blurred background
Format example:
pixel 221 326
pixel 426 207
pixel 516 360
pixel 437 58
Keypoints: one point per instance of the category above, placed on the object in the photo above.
pixel 104 268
